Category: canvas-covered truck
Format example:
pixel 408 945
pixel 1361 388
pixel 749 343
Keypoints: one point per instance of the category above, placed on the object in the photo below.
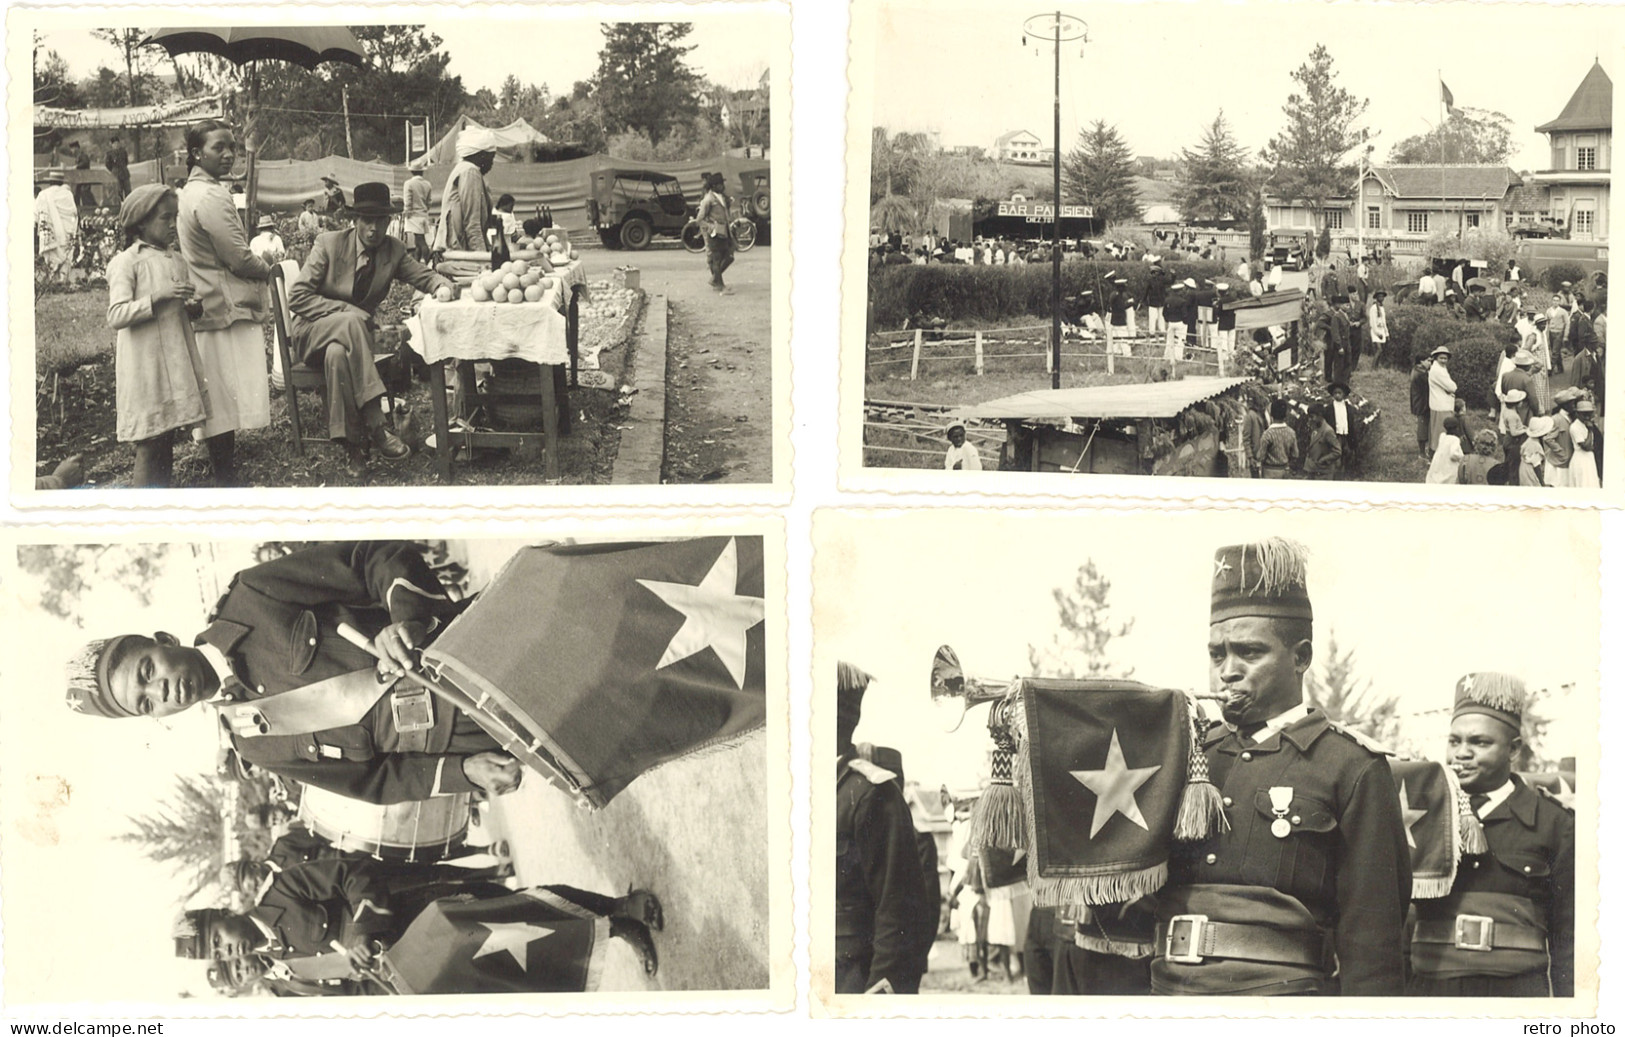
pixel 628 207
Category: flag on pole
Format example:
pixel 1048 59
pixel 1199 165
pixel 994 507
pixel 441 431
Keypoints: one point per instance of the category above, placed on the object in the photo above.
pixel 1448 98
pixel 1107 768
pixel 534 941
pixel 615 658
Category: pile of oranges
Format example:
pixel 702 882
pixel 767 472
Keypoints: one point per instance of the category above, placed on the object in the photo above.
pixel 514 282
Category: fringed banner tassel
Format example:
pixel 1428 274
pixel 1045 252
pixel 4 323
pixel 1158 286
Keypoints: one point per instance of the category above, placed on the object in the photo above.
pixel 1201 807
pixel 1099 889
pixel 998 818
pixel 1431 886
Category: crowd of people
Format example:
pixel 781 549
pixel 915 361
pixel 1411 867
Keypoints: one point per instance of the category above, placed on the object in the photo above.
pixel 1317 882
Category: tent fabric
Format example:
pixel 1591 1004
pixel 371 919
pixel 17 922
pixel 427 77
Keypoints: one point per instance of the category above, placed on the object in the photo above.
pixel 284 184
pixel 1140 400
pixel 511 138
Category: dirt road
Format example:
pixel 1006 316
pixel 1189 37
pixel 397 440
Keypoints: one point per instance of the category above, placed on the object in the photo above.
pixel 719 419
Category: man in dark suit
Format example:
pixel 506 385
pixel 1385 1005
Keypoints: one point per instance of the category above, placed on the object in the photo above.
pixel 1506 929
pixel 344 280
pixel 349 729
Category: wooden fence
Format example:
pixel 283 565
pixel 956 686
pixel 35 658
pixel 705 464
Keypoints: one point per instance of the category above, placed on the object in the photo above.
pixel 1029 346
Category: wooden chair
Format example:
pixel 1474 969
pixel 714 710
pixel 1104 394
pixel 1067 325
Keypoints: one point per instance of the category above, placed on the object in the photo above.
pixel 296 376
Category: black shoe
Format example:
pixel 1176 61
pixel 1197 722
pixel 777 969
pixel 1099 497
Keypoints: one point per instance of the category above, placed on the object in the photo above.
pixel 390 447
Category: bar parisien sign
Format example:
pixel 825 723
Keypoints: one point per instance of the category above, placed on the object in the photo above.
pixel 1043 212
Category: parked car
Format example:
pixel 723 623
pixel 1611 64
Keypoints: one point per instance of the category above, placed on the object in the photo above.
pixel 756 201
pixel 628 207
pixel 1592 256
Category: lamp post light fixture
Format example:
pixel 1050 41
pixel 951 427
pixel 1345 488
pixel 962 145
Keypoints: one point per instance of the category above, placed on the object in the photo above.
pixel 1057 28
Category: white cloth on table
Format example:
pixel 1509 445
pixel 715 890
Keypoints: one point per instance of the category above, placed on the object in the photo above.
pixel 468 330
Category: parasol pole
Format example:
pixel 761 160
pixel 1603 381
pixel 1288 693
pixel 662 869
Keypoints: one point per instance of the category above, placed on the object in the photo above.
pixel 250 145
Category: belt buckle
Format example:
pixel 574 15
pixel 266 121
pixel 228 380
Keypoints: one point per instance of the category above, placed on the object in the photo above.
pixel 1483 929
pixel 1192 955
pixel 413 710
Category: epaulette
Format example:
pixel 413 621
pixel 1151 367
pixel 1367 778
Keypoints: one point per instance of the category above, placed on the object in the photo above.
pixel 1364 740
pixel 876 774
pixel 1565 802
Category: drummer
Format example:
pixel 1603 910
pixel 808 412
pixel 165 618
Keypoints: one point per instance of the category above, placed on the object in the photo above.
pixel 298 699
pixel 315 908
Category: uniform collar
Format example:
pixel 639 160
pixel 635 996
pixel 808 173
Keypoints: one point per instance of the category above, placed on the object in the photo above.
pixel 223 634
pixel 271 939
pixel 1521 802
pixel 1302 731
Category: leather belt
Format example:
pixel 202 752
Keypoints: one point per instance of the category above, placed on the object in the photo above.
pixel 1188 939
pixel 1479 933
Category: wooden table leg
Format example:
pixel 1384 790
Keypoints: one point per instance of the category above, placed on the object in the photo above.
pixel 442 427
pixel 550 424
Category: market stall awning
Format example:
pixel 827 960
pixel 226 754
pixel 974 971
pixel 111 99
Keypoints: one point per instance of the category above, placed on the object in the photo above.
pixel 1140 400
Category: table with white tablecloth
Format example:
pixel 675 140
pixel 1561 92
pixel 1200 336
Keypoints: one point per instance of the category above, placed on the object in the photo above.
pixel 465 332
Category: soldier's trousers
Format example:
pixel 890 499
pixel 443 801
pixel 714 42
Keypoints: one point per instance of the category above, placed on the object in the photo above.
pixel 1078 971
pixel 1529 984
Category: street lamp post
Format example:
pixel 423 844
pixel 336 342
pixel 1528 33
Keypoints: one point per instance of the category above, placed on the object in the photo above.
pixel 1058 28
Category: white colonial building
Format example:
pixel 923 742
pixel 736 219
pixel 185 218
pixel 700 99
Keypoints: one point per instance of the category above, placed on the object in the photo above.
pixel 1023 148
pixel 1581 139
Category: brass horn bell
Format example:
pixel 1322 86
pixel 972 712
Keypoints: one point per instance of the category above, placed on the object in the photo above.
pixel 953 693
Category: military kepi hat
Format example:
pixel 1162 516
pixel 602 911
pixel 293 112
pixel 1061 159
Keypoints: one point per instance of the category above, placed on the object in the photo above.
pixel 1267 578
pixel 1499 695
pixel 191 932
pixel 88 673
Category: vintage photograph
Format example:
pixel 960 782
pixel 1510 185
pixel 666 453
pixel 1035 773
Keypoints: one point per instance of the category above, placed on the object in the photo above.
pixel 1368 258
pixel 400 767
pixel 516 248
pixel 1372 791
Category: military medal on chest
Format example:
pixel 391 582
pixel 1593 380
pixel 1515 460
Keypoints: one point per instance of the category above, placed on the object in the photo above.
pixel 1280 803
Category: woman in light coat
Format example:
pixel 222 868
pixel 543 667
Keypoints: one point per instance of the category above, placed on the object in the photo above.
pixel 231 286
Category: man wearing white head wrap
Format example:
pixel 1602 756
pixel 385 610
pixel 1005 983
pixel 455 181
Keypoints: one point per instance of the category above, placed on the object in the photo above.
pixel 467 201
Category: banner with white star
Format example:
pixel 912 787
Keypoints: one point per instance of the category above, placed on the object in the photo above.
pixel 1106 768
pixel 1430 802
pixel 615 658
pixel 534 941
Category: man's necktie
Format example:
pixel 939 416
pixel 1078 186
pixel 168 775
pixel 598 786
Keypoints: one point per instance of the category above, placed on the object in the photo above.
pixel 363 278
pixel 1250 732
pixel 1477 801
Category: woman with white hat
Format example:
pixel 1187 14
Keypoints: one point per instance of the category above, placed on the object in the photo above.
pixel 416 194
pixel 1441 396
pixel 56 222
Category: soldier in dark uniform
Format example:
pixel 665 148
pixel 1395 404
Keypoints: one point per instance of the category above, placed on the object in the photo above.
pixel 304 911
pixel 884 926
pixel 1306 891
pixel 1507 927
pixel 275 631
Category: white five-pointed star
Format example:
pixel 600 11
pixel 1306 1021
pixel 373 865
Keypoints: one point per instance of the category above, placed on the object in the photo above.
pixel 512 938
pixel 1412 815
pixel 1114 786
pixel 714 616
pixel 1221 565
pixel 1467 682
pixel 76 703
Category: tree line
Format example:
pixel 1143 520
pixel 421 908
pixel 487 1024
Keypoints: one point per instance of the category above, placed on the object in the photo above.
pixel 644 100
pixel 1313 159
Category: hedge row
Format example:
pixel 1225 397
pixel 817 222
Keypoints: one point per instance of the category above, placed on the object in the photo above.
pixel 1003 293
pixel 1476 346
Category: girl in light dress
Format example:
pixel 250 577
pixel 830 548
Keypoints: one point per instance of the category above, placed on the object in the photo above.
pixel 159 374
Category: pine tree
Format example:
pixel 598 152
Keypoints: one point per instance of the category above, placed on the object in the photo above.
pixel 1214 182
pixel 1079 647
pixel 1308 155
pixel 643 82
pixel 1257 226
pixel 1336 687
pixel 184 831
pixel 1099 171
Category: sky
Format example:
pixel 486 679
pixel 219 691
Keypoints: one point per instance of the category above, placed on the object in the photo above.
pixel 1411 593
pixel 562 48
pixel 1161 72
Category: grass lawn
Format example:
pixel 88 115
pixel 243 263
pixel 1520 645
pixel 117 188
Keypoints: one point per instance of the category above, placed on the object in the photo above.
pixel 76 413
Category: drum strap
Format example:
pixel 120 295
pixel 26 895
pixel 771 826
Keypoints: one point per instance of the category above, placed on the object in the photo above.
pixel 335 702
